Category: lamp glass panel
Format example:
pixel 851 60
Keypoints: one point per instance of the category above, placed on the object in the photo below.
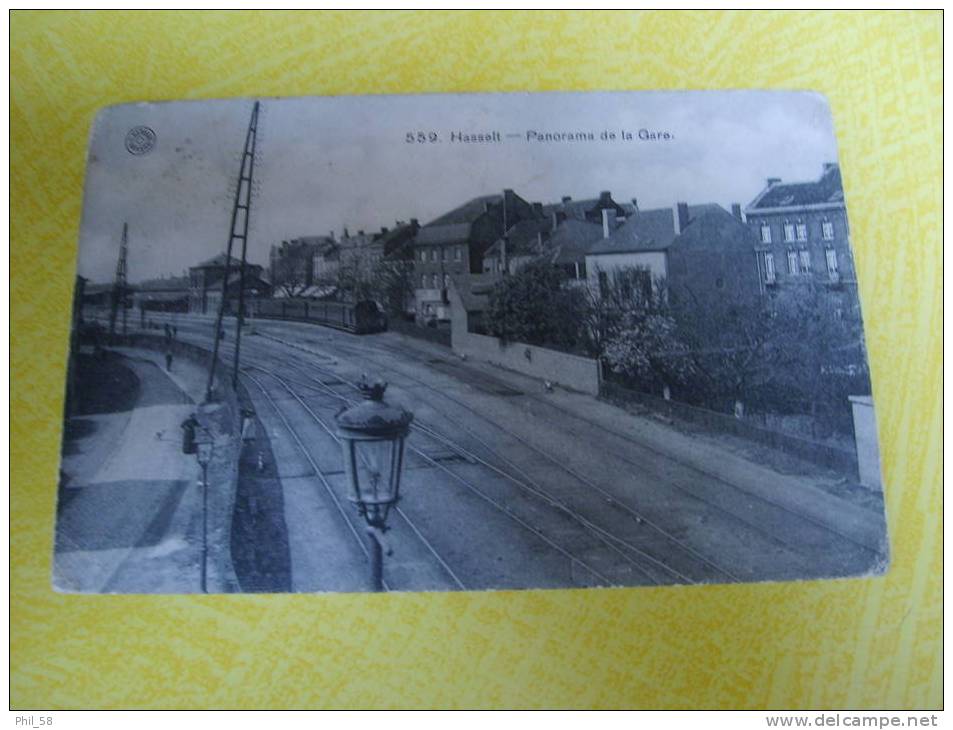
pixel 377 470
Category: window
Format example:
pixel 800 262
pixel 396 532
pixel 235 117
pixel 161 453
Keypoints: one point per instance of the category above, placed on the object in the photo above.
pixel 805 257
pixel 446 281
pixel 801 231
pixel 456 253
pixel 443 254
pixel 788 231
pixel 832 271
pixel 433 254
pixel 423 255
pixel 423 281
pixel 827 230
pixel 765 233
pixel 769 275
pixel 792 263
pixel 435 281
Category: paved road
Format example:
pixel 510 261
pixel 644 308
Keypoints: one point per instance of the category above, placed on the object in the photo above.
pixel 510 486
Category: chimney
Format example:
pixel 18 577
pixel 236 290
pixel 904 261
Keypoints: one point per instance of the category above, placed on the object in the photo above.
pixel 538 209
pixel 608 221
pixel 566 199
pixel 346 235
pixel 332 234
pixel 773 181
pixel 414 223
pixel 680 216
pixel 828 166
pixel 635 206
pixel 360 233
pixel 383 230
pixel 736 211
pixel 605 197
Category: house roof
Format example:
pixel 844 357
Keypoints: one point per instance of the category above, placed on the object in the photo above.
pixel 715 227
pixel 579 208
pixel 522 239
pixel 443 233
pixel 573 239
pixel 170 283
pixel 651 230
pixel 826 189
pixel 313 240
pixel 397 238
pixel 217 261
pixel 466 213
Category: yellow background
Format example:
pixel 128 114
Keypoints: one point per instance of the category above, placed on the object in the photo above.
pixel 853 643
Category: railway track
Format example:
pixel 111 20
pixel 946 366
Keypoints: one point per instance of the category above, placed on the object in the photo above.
pixel 648 454
pixel 478 451
pixel 329 490
pixel 625 548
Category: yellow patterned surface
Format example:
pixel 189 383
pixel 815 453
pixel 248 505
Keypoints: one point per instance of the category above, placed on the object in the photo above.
pixel 854 643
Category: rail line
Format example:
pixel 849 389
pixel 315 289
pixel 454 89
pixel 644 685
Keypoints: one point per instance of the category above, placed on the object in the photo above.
pixel 638 444
pixel 596 573
pixel 525 481
pixel 612 541
pixel 528 484
pixel 453 576
pixel 534 486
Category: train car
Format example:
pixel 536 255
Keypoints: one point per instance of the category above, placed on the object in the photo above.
pixel 364 317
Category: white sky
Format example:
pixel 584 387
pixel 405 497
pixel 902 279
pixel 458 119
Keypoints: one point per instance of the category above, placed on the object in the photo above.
pixel 329 162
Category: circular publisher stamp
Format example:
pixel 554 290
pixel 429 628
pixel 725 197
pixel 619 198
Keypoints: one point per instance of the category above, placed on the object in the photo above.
pixel 140 140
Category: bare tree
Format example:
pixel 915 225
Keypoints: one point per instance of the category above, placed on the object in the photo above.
pixel 290 268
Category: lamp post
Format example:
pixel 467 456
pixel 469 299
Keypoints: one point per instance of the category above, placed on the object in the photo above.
pixel 372 435
pixel 203 455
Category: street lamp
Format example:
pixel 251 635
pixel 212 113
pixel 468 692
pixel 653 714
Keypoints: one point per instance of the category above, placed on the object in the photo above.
pixel 372 435
pixel 203 455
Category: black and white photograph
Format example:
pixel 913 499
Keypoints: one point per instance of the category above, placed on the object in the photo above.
pixel 466 342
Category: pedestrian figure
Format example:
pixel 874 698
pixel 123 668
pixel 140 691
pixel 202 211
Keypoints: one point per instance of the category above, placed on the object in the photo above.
pixel 188 426
pixel 175 332
pixel 168 332
pixel 168 360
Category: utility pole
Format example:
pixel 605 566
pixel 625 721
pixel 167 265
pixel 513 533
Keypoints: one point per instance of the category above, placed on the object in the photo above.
pixel 119 285
pixel 242 203
pixel 253 131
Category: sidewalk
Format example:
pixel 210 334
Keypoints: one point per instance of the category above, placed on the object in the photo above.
pixel 129 517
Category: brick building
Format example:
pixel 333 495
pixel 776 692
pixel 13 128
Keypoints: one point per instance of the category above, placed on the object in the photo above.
pixel 455 244
pixel 803 236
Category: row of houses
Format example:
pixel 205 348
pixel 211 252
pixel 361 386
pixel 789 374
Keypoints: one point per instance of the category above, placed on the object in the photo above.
pixel 788 234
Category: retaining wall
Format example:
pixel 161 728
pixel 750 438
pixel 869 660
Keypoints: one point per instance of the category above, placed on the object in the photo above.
pixel 570 371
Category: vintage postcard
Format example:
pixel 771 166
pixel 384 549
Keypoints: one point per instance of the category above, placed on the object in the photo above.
pixel 466 342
